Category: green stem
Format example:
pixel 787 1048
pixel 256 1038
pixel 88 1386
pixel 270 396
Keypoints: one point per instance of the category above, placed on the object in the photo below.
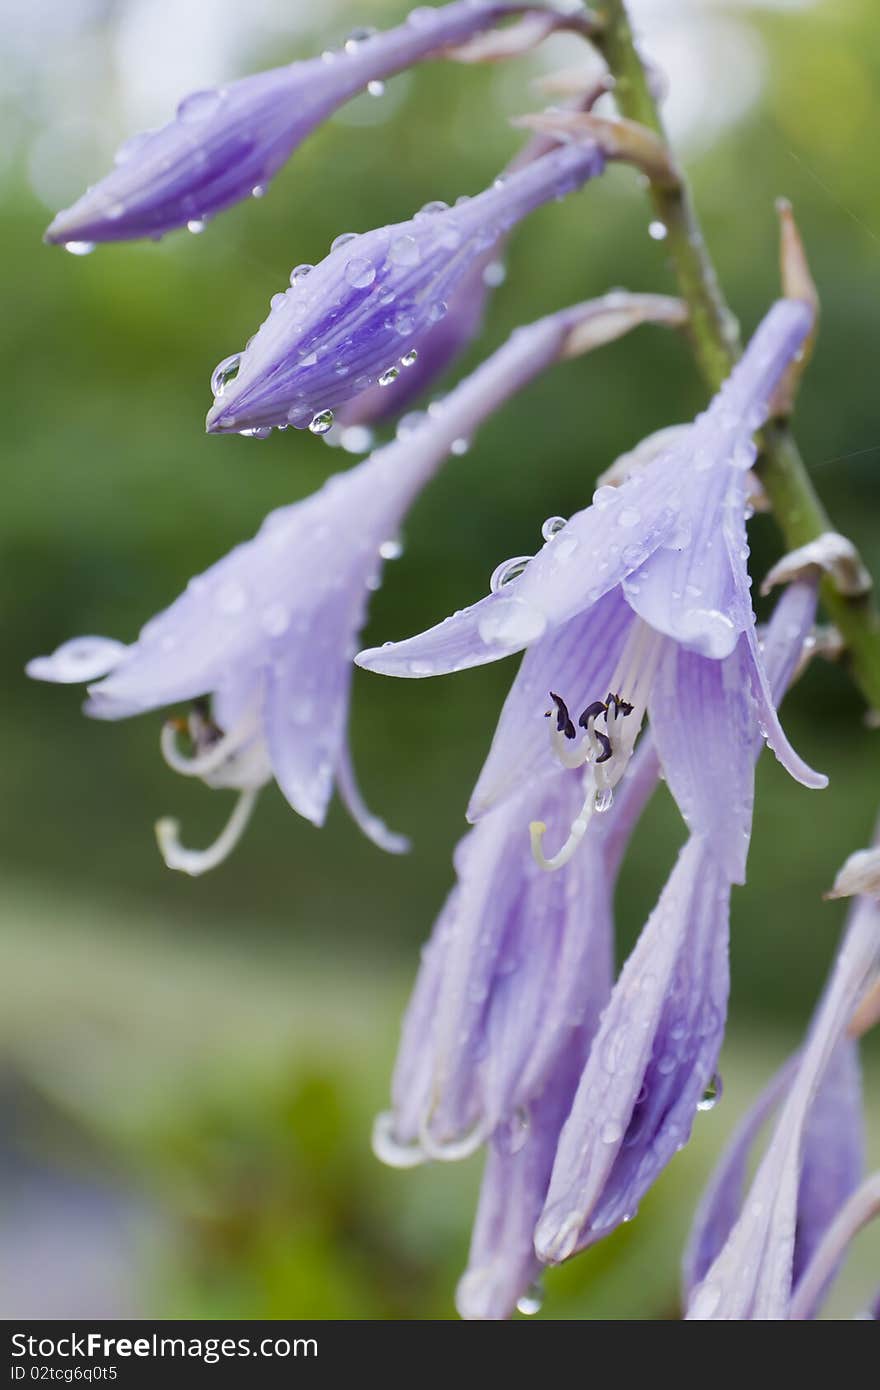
pixel 714 337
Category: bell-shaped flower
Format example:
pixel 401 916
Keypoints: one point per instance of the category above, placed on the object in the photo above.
pixel 775 1258
pixel 512 979
pixel 357 317
pixel 225 144
pixel 652 1065
pixel 269 631
pixel 654 573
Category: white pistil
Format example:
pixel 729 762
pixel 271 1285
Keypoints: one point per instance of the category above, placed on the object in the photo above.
pixel 199 861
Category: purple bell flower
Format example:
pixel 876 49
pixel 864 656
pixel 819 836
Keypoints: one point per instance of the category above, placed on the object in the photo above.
pixel 652 1065
pixel 654 574
pixel 226 144
pixel 358 317
pixel 771 1254
pixel 269 631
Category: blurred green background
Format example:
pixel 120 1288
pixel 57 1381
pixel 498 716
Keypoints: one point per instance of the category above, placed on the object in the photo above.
pixel 188 1069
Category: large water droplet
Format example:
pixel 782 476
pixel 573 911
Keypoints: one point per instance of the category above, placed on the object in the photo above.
pixel 199 106
pixel 320 423
pixel 604 496
pixel 510 622
pixel 712 1093
pixel 552 526
pixel 404 250
pixel 507 572
pixel 360 273
pixel 531 1301
pixel 224 372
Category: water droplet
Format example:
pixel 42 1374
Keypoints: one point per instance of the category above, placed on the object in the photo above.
pixel 438 311
pixel 628 517
pixel 404 323
pixel 657 231
pixel 712 1094
pixel 357 37
pixel 611 1132
pixel 342 240
pixel 507 572
pixel 494 274
pixel 410 358
pixel 552 526
pixel 79 248
pixel 256 432
pixel 603 496
pixel 604 800
pixel 258 190
pixel 459 446
pixel 300 272
pixel 376 88
pixel 430 209
pixel 230 599
pixel 511 623
pixel 389 375
pixel 360 273
pixel 277 300
pixel 275 620
pixel 199 106
pixel 196 225
pixel 320 423
pixel 131 146
pixel 531 1301
pixel 391 550
pixel 409 422
pixel 404 250
pixel 224 372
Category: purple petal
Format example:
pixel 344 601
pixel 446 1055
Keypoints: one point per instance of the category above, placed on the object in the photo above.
pixel 703 726
pixel 576 659
pixel 653 1056
pixel 752 1276
pixel 721 1203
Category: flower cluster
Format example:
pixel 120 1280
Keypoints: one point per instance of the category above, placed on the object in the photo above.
pixel 637 610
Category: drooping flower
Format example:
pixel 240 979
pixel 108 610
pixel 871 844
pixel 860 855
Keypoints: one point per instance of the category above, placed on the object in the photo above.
pixel 451 335
pixel 226 144
pixel 357 317
pixel 269 631
pixel 770 1254
pixel 652 1064
pixel 654 573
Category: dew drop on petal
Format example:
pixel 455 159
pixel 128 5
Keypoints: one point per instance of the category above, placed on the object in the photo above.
pixel 360 273
pixel 390 374
pixel 611 1132
pixel 552 526
pixel 391 550
pixel 531 1301
pixel 511 623
pixel 494 274
pixel 604 799
pixel 299 272
pixel 404 250
pixel 342 240
pixel 712 1094
pixel 376 88
pixel 199 106
pixel 357 37
pixel 410 358
pixel 79 248
pixel 603 496
pixel 196 225
pixel 628 517
pixel 258 190
pixel 320 423
pixel 224 372
pixel 459 446
pixel 507 572
pixel 429 209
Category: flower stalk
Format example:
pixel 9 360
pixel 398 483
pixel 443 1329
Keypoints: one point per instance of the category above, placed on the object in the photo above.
pixel 714 337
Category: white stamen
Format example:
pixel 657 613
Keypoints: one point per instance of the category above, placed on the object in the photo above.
pixel 202 764
pixel 578 830
pixel 631 684
pixel 198 861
